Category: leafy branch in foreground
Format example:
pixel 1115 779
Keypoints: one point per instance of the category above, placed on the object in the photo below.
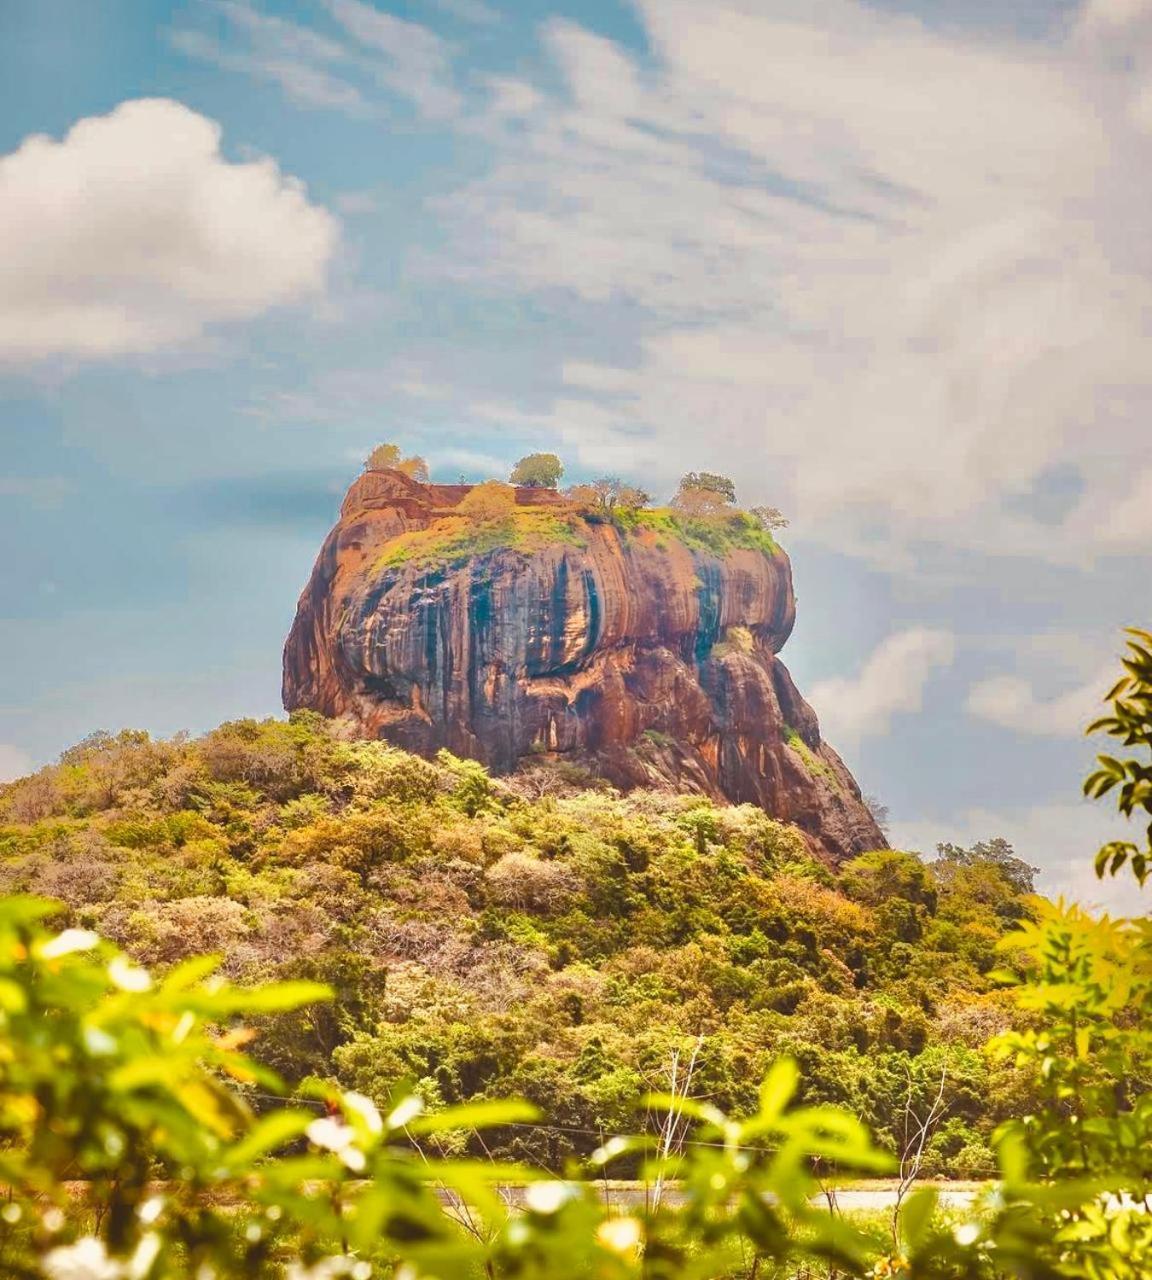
pixel 128 1148
pixel 130 1152
pixel 1130 722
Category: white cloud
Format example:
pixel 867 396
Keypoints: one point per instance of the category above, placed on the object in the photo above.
pixel 278 35
pixel 415 60
pixel 14 763
pixel 1057 684
pixel 1111 14
pixel 303 78
pixel 471 461
pixel 373 49
pixel 302 63
pixel 133 234
pixel 473 11
pixel 1060 839
pixel 894 275
pixel 511 97
pixel 1127 523
pixel 357 203
pixel 891 682
pixel 1011 701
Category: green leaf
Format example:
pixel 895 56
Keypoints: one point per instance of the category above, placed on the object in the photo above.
pixel 144 1072
pixel 13 998
pixel 189 972
pixel 506 1173
pixel 275 997
pixel 678 1105
pixel 1012 1154
pixel 476 1115
pixel 916 1216
pixel 1004 977
pixel 617 1147
pixel 210 1104
pixel 278 997
pixel 778 1088
pixel 26 909
pixel 266 1135
pixel 244 1069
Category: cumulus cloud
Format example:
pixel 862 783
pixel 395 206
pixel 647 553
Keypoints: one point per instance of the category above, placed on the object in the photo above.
pixel 133 234
pixel 14 763
pixel 894 272
pixel 891 682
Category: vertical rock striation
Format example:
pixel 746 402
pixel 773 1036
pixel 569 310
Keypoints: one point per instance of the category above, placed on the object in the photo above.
pixel 553 634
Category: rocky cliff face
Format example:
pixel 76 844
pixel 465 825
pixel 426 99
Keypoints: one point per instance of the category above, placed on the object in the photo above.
pixel 549 634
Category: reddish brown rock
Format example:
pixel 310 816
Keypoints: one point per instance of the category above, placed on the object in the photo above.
pixel 651 661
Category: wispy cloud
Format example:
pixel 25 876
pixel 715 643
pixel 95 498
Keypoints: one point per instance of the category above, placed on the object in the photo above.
pixel 339 394
pixel 356 203
pixel 891 682
pixel 894 272
pixel 471 462
pixel 413 60
pixel 473 11
pixel 295 58
pixel 372 50
pixel 302 81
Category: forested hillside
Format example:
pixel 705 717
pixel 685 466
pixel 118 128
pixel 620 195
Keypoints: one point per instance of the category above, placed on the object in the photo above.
pixel 536 936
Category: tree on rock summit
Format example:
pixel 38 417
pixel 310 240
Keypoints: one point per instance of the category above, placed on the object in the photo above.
pixel 387 457
pixel 703 493
pixel 608 494
pixel 538 471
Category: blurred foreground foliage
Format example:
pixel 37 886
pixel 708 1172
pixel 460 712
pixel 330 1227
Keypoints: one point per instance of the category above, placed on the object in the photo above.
pixel 138 1140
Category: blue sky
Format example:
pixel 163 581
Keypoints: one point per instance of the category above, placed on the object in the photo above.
pixel 886 264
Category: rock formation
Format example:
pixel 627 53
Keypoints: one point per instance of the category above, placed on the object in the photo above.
pixel 640 652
